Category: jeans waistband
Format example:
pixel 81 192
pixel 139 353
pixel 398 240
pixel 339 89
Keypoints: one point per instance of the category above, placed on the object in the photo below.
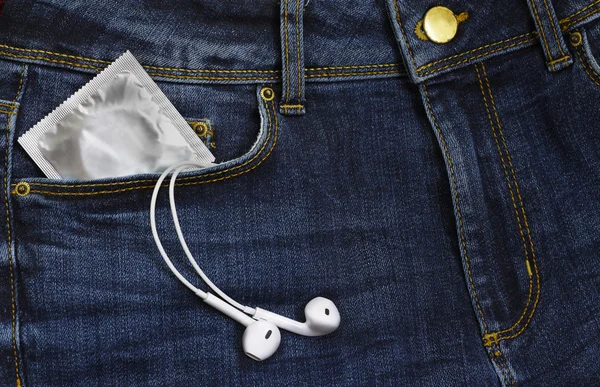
pixel 240 42
pixel 488 29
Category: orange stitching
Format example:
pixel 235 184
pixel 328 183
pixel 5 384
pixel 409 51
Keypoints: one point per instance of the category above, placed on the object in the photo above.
pixel 551 20
pixel 580 11
pixel 50 60
pixel 412 57
pixel 271 78
pixel 8 105
pixel 354 67
pixel 500 367
pixel 205 77
pixel 476 57
pixel 476 49
pixel 298 51
pixel 590 72
pixel 353 74
pixel 7 113
pixel 456 202
pixel 150 67
pixel 287 59
pixel 182 70
pixel 568 25
pixel 292 106
pixel 13 304
pixel 508 183
pixel 269 129
pixel 539 23
pixel 564 58
pixel 530 37
pixel 510 376
pixel 54 54
pixel 527 228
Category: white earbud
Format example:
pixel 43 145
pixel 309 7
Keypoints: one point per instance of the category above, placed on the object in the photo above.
pixel 322 317
pixel 262 336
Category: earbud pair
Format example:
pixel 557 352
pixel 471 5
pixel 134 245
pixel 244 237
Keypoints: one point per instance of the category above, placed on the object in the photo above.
pixel 262 336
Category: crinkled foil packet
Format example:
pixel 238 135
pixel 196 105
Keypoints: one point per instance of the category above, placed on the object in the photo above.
pixel 118 124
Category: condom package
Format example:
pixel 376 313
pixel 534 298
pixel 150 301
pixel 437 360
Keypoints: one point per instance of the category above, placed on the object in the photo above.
pixel 118 124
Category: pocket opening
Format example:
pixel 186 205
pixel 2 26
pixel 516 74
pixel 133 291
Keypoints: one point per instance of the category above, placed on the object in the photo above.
pixel 260 151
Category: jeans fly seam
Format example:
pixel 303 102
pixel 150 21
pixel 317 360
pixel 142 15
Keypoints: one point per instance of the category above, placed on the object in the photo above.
pixel 259 153
pixel 527 229
pixel 13 305
pixel 461 230
pixel 508 182
pixel 510 378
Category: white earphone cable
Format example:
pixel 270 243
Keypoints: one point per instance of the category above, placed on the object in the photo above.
pixel 186 249
pixel 159 245
pixel 177 169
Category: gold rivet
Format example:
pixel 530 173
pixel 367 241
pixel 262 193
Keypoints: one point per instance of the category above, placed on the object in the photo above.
pixel 200 128
pixel 22 189
pixel 576 39
pixel 440 24
pixel 267 94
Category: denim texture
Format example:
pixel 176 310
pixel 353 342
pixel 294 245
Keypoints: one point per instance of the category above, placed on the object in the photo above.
pixel 445 197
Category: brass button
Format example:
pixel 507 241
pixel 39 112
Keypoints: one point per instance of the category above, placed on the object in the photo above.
pixel 22 189
pixel 576 39
pixel 267 94
pixel 440 24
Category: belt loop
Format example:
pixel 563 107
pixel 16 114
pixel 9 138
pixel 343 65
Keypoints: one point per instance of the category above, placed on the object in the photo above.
pixel 292 57
pixel 553 42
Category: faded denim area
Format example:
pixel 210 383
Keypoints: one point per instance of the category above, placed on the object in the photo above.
pixel 445 197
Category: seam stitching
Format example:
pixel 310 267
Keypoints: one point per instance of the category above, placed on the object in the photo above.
pixel 259 153
pixel 412 57
pixel 503 360
pixel 551 20
pixel 477 56
pixel 529 35
pixel 573 22
pixel 13 305
pixel 590 72
pixel 458 212
pixel 508 184
pixel 581 10
pixel 531 313
pixel 565 23
pixel 286 71
pixel 298 53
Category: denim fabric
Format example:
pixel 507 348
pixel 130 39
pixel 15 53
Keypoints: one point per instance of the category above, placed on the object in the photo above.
pixel 445 197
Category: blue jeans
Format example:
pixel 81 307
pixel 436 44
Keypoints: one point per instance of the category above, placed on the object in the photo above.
pixel 445 196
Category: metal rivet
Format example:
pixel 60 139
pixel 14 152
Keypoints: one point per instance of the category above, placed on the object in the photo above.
pixel 267 94
pixel 440 24
pixel 22 189
pixel 576 39
pixel 200 128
